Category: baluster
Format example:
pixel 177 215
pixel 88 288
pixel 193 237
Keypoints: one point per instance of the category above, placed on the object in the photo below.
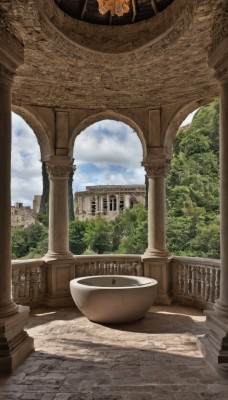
pixel 202 281
pixel 35 284
pixel 184 280
pixel 217 283
pixel 27 282
pixel 22 283
pixel 116 268
pixel 189 286
pixel 211 284
pixel 207 283
pixel 179 278
pixel 193 282
pixel 198 281
pixel 15 285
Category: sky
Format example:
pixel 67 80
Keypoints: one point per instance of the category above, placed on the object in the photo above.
pixel 106 153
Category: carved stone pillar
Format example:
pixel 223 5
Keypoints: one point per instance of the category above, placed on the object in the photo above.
pixel 156 172
pixel 215 344
pixel 155 259
pixel 15 344
pixel 59 169
pixel 7 306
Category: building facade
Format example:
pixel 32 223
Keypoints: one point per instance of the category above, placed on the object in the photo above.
pixel 107 201
pixel 22 216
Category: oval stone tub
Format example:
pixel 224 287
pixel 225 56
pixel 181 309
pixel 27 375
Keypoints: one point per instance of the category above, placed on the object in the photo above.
pixel 113 299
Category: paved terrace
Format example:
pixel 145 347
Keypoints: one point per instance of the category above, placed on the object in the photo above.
pixel 75 359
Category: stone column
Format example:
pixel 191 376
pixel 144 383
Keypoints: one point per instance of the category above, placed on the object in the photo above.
pixel 221 306
pixel 7 306
pixel 156 172
pixel 155 259
pixel 215 345
pixel 15 344
pixel 59 169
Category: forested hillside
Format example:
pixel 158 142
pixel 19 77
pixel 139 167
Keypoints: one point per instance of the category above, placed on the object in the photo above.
pixel 193 187
pixel 192 205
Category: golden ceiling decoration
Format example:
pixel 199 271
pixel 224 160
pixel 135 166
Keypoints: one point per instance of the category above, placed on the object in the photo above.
pixel 116 7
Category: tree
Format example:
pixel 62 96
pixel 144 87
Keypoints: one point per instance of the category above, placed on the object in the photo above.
pixel 134 230
pixel 98 235
pixel 193 187
pixel 77 231
pixel 25 240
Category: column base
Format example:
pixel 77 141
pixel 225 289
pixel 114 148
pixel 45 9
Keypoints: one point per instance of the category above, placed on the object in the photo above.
pixel 156 253
pixel 214 345
pixel 221 308
pixel 8 309
pixel 52 255
pixel 158 268
pixel 15 344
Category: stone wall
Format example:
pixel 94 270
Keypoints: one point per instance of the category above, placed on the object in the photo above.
pixel 22 216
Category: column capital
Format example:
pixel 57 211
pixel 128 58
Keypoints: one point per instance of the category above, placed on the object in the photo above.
pixel 6 76
pixel 156 168
pixel 60 167
pixel 217 60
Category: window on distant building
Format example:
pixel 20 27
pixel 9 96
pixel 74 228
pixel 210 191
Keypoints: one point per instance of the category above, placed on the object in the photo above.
pixel 112 203
pixel 93 206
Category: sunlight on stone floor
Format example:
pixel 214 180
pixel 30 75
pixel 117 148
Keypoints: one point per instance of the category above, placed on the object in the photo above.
pixel 155 358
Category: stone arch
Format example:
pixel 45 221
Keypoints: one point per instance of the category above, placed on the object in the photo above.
pixel 39 128
pixel 175 121
pixel 110 115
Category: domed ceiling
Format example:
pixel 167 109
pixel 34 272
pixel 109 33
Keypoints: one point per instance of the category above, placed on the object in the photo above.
pixel 94 11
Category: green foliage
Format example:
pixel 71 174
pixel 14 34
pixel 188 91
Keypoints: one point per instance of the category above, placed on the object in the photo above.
pixel 98 235
pixel 133 227
pixel 30 241
pixel 126 234
pixel 77 231
pixel 193 187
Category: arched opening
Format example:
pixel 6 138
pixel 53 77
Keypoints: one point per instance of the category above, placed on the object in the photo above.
pixel 193 226
pixel 26 190
pixel 108 178
pixel 108 158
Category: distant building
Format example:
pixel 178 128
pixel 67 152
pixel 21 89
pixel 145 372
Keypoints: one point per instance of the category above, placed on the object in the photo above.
pixel 22 216
pixel 107 201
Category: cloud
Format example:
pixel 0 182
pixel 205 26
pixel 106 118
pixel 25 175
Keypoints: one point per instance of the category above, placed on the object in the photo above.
pixel 108 153
pixel 26 177
pixel 108 142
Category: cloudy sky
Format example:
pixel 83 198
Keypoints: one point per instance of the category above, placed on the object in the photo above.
pixel 108 152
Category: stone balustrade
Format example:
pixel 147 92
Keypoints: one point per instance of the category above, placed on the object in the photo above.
pixel 28 281
pixel 196 281
pixel 126 264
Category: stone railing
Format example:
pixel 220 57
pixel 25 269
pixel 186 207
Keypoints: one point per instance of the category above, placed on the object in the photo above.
pixel 108 264
pixel 28 281
pixel 196 281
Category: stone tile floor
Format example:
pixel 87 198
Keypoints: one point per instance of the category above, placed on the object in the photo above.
pixel 75 359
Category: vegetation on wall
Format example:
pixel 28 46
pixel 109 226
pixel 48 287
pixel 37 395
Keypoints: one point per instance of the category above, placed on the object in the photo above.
pixel 192 205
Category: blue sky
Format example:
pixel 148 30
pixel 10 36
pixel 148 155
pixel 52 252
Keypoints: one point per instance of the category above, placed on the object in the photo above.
pixel 108 152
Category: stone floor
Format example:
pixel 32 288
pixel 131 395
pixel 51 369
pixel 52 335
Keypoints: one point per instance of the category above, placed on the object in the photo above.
pixel 75 359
